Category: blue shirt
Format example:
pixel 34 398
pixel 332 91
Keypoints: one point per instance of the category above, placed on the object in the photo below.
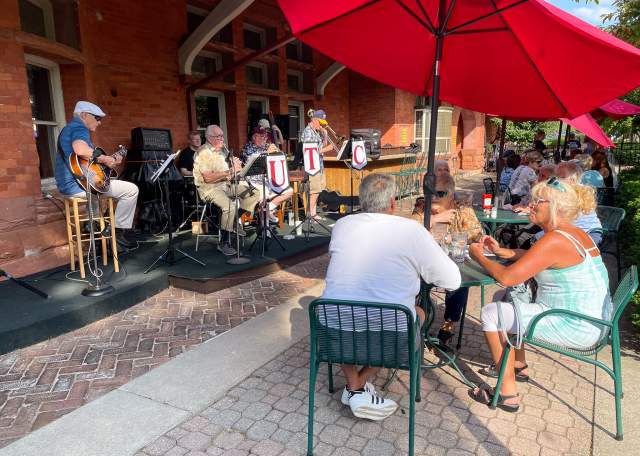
pixel 74 130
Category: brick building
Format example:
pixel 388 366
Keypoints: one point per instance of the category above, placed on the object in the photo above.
pixel 137 60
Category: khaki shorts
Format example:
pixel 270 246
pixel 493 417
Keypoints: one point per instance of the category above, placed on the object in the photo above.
pixel 317 183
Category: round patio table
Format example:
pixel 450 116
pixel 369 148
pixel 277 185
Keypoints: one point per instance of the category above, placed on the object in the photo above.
pixel 472 275
pixel 505 217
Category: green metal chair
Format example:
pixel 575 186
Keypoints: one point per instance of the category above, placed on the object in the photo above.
pixel 611 218
pixel 611 335
pixel 386 335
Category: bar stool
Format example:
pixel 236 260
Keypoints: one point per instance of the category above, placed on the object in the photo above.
pixel 76 237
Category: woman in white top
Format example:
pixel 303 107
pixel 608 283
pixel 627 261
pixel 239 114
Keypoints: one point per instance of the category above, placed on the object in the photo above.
pixel 525 176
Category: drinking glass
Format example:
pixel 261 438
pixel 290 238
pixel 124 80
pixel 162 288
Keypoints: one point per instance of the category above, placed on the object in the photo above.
pixel 458 247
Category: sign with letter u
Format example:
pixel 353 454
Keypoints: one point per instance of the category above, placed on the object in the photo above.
pixel 311 158
pixel 358 155
pixel 277 172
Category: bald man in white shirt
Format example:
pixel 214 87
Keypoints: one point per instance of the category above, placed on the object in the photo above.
pixel 379 257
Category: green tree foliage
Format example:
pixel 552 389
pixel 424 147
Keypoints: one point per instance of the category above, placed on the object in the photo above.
pixel 520 134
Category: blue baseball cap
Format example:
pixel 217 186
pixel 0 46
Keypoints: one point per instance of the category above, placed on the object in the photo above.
pixel 320 114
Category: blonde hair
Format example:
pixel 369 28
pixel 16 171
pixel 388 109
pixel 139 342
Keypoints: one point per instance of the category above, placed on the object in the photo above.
pixel 569 202
pixel 584 160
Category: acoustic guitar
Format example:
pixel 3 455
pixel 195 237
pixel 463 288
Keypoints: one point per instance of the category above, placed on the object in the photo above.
pixel 98 175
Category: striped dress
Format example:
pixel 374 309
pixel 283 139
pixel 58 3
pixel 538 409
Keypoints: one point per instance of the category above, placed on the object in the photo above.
pixel 583 288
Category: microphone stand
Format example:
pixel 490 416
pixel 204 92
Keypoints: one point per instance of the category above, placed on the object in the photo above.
pixel 238 259
pixel 99 288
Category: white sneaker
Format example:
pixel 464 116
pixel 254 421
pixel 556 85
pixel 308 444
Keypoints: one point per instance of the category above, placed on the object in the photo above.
pixel 368 387
pixel 371 406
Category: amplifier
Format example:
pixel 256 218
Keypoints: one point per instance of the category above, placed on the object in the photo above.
pixel 156 139
pixel 371 138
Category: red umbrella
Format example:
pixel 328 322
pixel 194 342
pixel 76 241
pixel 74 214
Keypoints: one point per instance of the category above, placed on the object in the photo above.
pixel 508 57
pixel 588 125
pixel 616 109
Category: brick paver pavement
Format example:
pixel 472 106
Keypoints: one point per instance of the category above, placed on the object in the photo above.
pixel 266 414
pixel 38 384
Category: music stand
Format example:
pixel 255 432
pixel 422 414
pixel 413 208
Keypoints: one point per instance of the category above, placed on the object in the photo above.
pixel 168 256
pixel 258 167
pixel 344 154
pixel 307 217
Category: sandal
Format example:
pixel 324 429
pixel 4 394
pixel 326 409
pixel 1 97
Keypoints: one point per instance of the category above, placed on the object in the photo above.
pixel 446 332
pixel 490 371
pixel 484 394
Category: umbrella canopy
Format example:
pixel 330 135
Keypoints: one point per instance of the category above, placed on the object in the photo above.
pixel 506 57
pixel 616 109
pixel 587 124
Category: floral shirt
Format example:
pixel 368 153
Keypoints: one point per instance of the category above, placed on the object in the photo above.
pixel 208 159
pixel 249 150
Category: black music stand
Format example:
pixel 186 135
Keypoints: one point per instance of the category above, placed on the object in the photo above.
pixel 258 167
pixel 169 255
pixel 307 217
pixel 344 155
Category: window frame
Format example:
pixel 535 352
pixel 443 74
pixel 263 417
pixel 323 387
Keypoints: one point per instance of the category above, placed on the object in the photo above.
pixel 221 107
pixel 216 56
pixel 301 118
pixel 424 136
pixel 265 74
pixel 49 22
pixel 57 99
pixel 300 76
pixel 261 31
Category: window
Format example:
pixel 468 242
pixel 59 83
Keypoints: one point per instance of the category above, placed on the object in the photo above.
pixel 257 108
pixel 254 37
pixel 206 63
pixel 296 119
pixel 36 16
pixel 210 109
pixel 47 109
pixel 195 17
pixel 294 80
pixel 256 73
pixel 443 135
pixel 294 50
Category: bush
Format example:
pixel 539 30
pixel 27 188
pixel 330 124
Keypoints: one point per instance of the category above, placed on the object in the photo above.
pixel 629 238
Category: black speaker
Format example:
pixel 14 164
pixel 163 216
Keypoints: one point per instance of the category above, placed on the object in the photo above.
pixel 282 122
pixel 158 139
pixel 371 138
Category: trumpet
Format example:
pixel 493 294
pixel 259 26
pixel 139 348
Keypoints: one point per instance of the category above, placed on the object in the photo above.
pixel 332 137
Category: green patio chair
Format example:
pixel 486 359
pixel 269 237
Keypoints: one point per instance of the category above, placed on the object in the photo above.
pixel 611 335
pixel 387 335
pixel 611 218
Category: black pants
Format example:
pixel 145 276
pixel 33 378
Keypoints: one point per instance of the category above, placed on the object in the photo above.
pixel 454 302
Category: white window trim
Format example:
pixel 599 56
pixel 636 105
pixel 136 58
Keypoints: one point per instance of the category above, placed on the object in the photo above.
pixel 265 74
pixel 300 76
pixel 263 100
pixel 49 183
pixel 259 30
pixel 47 11
pixel 424 135
pixel 221 104
pixel 212 55
pixel 300 105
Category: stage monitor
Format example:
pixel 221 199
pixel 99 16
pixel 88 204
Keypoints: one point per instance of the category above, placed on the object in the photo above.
pixel 157 139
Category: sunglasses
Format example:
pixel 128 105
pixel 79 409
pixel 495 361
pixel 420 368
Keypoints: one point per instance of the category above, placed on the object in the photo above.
pixel 442 193
pixel 537 201
pixel 555 183
pixel 216 136
pixel 98 118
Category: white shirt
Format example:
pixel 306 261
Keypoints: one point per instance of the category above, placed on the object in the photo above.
pixel 381 258
pixel 521 180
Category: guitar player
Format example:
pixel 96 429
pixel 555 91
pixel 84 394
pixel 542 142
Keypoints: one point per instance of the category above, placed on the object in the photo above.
pixel 76 137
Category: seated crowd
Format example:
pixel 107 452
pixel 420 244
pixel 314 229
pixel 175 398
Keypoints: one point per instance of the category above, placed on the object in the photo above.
pixel 377 256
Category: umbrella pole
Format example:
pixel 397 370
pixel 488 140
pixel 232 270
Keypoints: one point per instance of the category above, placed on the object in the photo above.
pixel 557 158
pixel 429 181
pixel 499 161
pixel 566 137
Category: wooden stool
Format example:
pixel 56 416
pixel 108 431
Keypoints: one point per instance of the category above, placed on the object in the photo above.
pixel 76 237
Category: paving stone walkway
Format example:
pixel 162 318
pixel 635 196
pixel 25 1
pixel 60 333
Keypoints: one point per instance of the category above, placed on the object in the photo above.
pixel 43 382
pixel 266 414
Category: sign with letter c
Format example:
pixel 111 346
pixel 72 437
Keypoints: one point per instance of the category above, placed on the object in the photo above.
pixel 358 155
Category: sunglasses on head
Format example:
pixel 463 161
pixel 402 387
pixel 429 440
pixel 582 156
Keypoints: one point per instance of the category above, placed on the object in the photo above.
pixel 555 183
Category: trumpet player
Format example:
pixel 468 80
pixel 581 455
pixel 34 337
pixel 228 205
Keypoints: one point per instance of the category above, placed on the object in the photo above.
pixel 260 144
pixel 314 133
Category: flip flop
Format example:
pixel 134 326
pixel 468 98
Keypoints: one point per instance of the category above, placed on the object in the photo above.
pixel 484 394
pixel 490 371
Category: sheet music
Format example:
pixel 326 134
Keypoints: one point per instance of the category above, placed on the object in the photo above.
pixel 163 167
pixel 342 149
